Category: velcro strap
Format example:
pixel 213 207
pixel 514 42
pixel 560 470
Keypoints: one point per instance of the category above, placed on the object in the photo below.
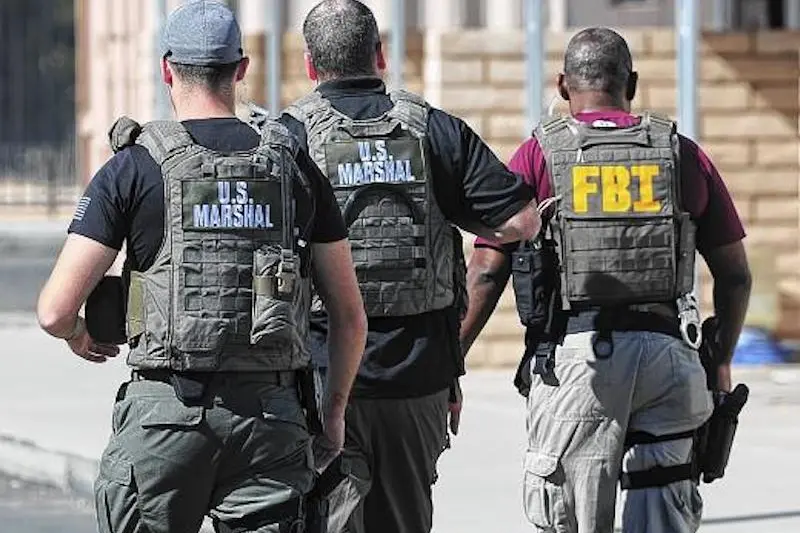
pixel 641 437
pixel 265 286
pixel 136 305
pixel 658 476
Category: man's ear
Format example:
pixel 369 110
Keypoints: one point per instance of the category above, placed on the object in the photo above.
pixel 311 70
pixel 166 72
pixel 380 59
pixel 630 90
pixel 241 69
pixel 561 84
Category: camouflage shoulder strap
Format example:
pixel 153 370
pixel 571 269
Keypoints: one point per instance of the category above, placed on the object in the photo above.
pixel 164 138
pixel 123 133
pixel 410 109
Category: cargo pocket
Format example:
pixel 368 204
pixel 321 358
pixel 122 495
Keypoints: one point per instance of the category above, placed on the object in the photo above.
pixel 276 285
pixel 171 413
pixel 116 497
pixel 543 500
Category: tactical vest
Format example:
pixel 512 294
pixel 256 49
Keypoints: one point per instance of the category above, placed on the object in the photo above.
pixel 619 233
pixel 228 290
pixel 405 253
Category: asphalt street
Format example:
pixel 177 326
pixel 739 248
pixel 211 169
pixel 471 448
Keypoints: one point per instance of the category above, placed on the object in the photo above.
pixel 29 508
pixel 63 403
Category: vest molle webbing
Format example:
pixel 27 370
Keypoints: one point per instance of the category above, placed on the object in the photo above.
pixel 402 246
pixel 227 290
pixel 622 233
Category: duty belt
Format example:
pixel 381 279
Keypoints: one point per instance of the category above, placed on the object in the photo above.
pixel 284 378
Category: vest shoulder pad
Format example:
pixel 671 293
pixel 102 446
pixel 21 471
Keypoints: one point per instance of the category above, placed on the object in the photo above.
pixel 306 107
pixel 276 134
pixel 410 109
pixel 123 133
pixel 163 138
pixel 544 129
pixel 659 120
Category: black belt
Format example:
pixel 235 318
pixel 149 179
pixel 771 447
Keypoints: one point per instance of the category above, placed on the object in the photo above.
pixel 624 320
pixel 285 378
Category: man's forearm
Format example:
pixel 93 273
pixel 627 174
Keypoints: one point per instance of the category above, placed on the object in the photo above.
pixel 483 298
pixel 731 298
pixel 346 341
pixel 487 276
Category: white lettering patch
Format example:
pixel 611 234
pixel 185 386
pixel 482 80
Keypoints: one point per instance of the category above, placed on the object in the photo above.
pixel 236 210
pixel 377 167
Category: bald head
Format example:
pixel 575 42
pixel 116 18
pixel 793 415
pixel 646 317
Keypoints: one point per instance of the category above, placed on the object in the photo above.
pixel 598 60
pixel 342 38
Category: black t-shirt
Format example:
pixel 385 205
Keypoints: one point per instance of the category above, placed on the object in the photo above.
pixel 125 199
pixel 420 355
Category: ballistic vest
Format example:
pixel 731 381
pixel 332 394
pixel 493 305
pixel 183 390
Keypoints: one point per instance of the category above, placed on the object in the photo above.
pixel 402 246
pixel 227 290
pixel 618 228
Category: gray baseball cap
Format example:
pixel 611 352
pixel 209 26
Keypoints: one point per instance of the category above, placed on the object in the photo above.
pixel 202 32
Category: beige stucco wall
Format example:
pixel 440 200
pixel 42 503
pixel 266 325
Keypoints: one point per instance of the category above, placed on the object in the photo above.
pixel 748 118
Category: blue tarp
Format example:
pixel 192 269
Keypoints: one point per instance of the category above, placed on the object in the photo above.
pixel 757 346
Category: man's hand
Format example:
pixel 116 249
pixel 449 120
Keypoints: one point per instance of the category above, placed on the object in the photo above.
pixel 329 445
pixel 84 346
pixel 454 406
pixel 724 382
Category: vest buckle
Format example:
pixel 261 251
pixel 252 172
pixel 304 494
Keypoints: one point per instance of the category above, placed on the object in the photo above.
pixel 287 273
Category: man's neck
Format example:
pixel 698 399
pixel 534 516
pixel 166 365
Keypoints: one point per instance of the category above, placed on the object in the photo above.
pixel 195 106
pixel 595 103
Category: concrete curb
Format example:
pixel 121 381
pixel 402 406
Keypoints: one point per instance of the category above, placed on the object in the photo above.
pixel 71 473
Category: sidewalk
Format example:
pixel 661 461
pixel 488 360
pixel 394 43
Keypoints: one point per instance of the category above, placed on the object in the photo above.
pixel 56 419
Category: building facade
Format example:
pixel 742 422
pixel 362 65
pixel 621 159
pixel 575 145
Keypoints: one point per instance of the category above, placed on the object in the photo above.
pixel 748 100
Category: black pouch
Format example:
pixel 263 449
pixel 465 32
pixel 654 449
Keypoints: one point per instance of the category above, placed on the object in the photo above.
pixel 105 312
pixel 534 275
pixel 190 388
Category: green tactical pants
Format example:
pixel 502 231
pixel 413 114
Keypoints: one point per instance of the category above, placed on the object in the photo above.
pixel 389 465
pixel 576 432
pixel 243 457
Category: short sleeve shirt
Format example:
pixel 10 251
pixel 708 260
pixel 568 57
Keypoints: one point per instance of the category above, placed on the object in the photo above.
pixel 419 355
pixel 124 201
pixel 704 194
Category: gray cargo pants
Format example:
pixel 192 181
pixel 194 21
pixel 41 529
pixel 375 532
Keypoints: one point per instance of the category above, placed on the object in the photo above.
pixel 389 464
pixel 651 382
pixel 244 458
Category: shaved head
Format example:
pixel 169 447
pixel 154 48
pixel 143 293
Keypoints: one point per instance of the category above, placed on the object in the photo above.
pixel 597 60
pixel 342 38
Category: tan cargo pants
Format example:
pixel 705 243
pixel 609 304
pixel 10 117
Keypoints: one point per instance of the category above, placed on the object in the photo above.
pixel 576 431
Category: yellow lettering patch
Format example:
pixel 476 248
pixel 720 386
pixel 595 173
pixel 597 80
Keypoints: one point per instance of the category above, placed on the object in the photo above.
pixel 613 184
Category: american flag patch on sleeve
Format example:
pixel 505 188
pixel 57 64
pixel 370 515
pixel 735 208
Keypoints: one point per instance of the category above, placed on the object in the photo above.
pixel 83 204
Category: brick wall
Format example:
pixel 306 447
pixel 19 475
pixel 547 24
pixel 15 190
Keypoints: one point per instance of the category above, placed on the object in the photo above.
pixel 748 123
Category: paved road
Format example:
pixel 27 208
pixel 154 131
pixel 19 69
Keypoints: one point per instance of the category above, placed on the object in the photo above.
pixel 63 403
pixel 28 508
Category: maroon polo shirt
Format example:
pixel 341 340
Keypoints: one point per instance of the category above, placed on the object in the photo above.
pixel 703 192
